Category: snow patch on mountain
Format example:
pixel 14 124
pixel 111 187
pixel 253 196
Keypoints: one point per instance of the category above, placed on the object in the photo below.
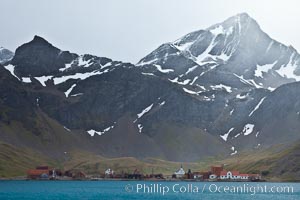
pixel 159 68
pixel 75 95
pixel 70 90
pixel 84 63
pixel 11 69
pixel 205 57
pixel 194 80
pixel 225 136
pixel 162 103
pixel 81 76
pixel 256 135
pixel 148 74
pixel 263 68
pixel 239 96
pixel 189 91
pixel 184 45
pixel 79 61
pixel 289 69
pixel 147 62
pixel 257 106
pixel 234 151
pixel 92 132
pixel 26 80
pixel 191 69
pixel 106 65
pixel 67 129
pixel 201 87
pixel 221 86
pixel 43 79
pixel 217 30
pixel 247 82
pixel 140 127
pixel 248 129
pixel 67 66
pixel 211 98
pixel 255 84
pixel 146 110
pixel 271 89
pixel 184 82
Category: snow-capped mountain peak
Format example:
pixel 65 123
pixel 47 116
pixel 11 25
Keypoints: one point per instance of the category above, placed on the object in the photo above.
pixel 236 46
pixel 214 45
pixel 217 43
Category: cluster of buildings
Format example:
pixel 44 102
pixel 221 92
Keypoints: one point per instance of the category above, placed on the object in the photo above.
pixel 48 173
pixel 216 173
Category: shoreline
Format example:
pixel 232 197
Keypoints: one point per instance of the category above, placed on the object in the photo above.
pixel 148 180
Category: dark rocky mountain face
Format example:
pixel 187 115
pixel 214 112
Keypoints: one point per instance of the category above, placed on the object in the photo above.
pixel 5 55
pixel 234 60
pixel 15 101
pixel 39 58
pixel 211 92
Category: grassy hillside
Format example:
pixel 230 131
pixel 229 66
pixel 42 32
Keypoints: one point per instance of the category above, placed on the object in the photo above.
pixel 94 164
pixel 16 161
pixel 275 164
pixel 278 163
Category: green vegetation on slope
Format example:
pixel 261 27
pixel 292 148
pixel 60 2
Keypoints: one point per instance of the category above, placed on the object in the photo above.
pixel 16 161
pixel 276 165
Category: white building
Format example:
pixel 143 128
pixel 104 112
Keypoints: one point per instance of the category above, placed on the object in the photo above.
pixel 180 173
pixel 244 176
pixel 109 172
pixel 230 175
pixel 213 176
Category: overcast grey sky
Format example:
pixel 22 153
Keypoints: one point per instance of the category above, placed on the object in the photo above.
pixel 127 30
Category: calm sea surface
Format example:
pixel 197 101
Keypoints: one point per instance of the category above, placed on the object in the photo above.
pixel 121 190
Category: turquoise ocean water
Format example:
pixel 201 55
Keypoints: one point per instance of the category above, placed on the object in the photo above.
pixel 123 190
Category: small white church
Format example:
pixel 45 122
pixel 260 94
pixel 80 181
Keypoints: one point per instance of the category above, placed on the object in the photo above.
pixel 180 173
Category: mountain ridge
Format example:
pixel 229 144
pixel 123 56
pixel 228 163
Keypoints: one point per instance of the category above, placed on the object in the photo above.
pixel 212 52
pixel 181 104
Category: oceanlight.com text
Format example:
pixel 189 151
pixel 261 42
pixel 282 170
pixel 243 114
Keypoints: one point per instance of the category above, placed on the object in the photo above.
pixel 244 188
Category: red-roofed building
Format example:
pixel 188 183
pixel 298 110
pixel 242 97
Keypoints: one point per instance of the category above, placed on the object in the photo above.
pixel 218 172
pixel 235 175
pixel 43 172
pixel 38 173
